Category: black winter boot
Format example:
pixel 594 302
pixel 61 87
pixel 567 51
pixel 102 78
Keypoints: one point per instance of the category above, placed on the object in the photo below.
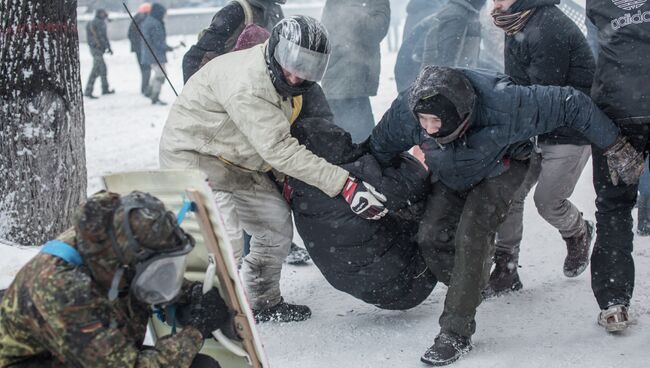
pixel 446 349
pixel 504 278
pixel 643 225
pixel 283 312
pixel 577 257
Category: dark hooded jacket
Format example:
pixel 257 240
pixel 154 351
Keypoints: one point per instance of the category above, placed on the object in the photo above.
pixel 356 28
pixel 450 37
pixel 133 35
pixel 550 50
pixel 153 29
pixel 621 85
pixel 500 115
pixel 376 261
pixel 226 26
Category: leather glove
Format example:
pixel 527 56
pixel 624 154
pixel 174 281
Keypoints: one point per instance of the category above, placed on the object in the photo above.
pixel 206 312
pixel 624 162
pixel 364 199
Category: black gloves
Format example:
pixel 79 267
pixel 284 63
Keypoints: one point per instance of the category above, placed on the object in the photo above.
pixel 624 162
pixel 206 312
pixel 364 199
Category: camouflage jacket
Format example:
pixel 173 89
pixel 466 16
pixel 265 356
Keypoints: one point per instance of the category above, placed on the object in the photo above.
pixel 55 315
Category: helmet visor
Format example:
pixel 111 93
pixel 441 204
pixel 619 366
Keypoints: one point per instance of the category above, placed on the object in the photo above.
pixel 159 280
pixel 305 63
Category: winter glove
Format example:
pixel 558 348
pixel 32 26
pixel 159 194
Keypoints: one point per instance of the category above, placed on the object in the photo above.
pixel 624 162
pixel 364 199
pixel 206 312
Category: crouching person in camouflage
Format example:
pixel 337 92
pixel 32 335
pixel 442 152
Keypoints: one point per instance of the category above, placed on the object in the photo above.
pixel 85 299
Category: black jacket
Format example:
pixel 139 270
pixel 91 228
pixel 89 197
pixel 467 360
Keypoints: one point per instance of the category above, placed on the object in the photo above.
pixel 226 26
pixel 96 35
pixel 550 50
pixel 621 85
pixel 133 35
pixel 376 261
pixel 502 115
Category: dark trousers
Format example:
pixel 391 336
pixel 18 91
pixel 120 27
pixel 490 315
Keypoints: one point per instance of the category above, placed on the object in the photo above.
pixel 354 115
pixel 98 70
pixel 612 266
pixel 456 236
pixel 145 71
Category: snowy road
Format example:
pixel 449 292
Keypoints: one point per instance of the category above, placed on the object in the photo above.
pixel 551 323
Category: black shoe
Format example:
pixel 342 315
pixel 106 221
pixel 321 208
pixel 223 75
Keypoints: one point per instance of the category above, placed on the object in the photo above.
pixel 283 312
pixel 158 102
pixel 446 349
pixel 577 257
pixel 108 91
pixel 504 279
pixel 297 255
pixel 90 96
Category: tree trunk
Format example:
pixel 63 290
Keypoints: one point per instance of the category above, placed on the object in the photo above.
pixel 42 154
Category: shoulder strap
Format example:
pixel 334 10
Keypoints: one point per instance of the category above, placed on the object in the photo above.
pixel 248 12
pixel 62 250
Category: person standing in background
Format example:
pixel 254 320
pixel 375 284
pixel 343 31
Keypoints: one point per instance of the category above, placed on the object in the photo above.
pixel 136 45
pixel 153 29
pixel 356 28
pixel 98 44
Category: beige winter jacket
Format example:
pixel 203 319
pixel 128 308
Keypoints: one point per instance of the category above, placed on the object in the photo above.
pixel 230 111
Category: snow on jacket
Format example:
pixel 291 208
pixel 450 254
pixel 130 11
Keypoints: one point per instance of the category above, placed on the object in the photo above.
pixel 226 26
pixel 450 37
pixel 231 111
pixel 153 29
pixel 503 115
pixel 621 85
pixel 550 50
pixel 376 261
pixel 96 35
pixel 356 28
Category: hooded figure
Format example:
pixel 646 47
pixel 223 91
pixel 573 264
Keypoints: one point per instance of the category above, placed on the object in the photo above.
pixel 376 261
pixel 86 298
pixel 136 44
pixel 477 164
pixel 98 44
pixel 226 27
pixel 153 30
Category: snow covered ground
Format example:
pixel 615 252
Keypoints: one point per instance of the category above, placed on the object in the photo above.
pixel 551 323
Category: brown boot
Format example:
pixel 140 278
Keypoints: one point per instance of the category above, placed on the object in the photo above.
pixel 577 257
pixel 504 278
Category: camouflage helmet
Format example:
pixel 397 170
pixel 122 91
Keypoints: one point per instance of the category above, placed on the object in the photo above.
pixel 105 234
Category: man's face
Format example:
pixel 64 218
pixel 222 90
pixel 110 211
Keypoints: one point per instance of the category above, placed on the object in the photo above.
pixel 292 79
pixel 429 122
pixel 501 6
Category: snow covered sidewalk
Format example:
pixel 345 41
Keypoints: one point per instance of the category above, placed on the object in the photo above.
pixel 550 323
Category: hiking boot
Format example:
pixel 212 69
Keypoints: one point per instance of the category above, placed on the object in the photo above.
pixel 108 91
pixel 297 255
pixel 446 349
pixel 577 258
pixel 504 278
pixel 615 318
pixel 282 312
pixel 158 102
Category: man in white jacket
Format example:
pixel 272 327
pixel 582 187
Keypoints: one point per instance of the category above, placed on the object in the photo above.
pixel 232 121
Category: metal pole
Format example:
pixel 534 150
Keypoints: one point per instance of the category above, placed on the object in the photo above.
pixel 150 49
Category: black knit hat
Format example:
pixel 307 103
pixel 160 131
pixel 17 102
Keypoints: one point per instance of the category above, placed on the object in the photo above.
pixel 443 108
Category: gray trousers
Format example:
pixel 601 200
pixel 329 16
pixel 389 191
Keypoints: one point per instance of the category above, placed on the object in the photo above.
pixel 98 70
pixel 456 237
pixel 157 80
pixel 556 170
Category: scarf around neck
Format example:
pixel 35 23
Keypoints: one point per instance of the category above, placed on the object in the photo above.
pixel 512 23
